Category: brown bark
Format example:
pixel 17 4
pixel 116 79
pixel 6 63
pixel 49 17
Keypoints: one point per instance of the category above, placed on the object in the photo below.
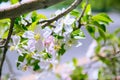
pixel 25 7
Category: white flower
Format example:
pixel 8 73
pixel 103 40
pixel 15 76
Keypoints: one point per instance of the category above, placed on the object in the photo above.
pixel 69 42
pixel 16 40
pixel 35 39
pixel 47 32
pixel 68 30
pixel 69 20
pixel 65 23
pixel 15 45
pixel 59 26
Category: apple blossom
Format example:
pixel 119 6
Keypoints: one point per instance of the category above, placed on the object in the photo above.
pixel 15 45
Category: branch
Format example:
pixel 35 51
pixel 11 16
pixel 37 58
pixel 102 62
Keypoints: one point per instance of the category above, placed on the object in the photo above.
pixel 6 45
pixel 82 14
pixel 25 7
pixel 2 41
pixel 69 9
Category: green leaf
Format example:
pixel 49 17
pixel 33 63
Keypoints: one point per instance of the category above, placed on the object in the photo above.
pixel 105 60
pixel 46 55
pixel 20 59
pixel 35 19
pixel 4 26
pixel 14 1
pixel 97 49
pixel 88 9
pixel 4 36
pixel 78 74
pixel 75 13
pixel 102 17
pixel 101 29
pixel 91 30
pixel 102 34
pixel 36 67
pixel 62 50
pixel 78 34
pixel 58 36
pixel 75 62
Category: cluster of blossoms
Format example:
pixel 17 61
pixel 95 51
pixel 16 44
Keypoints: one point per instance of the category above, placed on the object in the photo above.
pixel 43 46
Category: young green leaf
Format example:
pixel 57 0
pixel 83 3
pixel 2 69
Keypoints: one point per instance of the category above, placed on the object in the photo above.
pixel 75 13
pixel 62 50
pixel 78 34
pixel 91 30
pixel 14 1
pixel 102 17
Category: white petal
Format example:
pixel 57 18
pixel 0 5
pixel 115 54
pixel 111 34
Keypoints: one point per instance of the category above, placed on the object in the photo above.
pixel 59 27
pixel 47 32
pixel 79 44
pixel 39 46
pixel 16 40
pixel 28 34
pixel 20 51
pixel 31 45
pixel 59 11
pixel 95 74
pixel 68 29
pixel 68 20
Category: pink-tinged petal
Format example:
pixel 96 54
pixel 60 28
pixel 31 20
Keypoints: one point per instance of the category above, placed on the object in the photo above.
pixel 48 41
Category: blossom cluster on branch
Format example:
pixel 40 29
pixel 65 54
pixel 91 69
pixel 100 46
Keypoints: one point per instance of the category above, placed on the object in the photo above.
pixel 48 43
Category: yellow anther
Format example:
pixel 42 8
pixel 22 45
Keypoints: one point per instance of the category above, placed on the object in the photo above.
pixel 70 42
pixel 37 37
pixel 57 47
pixel 25 67
pixel 12 48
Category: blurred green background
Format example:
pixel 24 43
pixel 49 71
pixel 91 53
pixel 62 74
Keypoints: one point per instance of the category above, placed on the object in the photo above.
pixel 97 5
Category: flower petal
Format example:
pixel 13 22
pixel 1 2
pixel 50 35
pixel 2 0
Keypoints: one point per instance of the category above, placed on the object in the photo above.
pixel 16 40
pixel 68 20
pixel 31 45
pixel 47 32
pixel 68 28
pixel 28 34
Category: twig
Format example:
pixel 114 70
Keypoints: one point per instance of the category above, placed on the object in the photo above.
pixel 82 14
pixel 49 21
pixel 6 46
pixel 1 46
pixel 28 23
pixel 70 8
pixel 2 41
